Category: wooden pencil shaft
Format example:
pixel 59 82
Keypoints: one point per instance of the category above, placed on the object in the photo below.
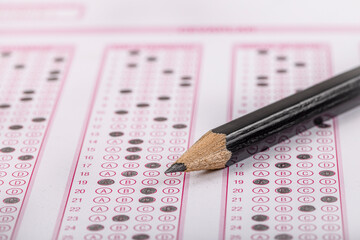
pixel 272 119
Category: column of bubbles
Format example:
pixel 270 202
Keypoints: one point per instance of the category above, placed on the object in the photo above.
pixel 292 190
pixel 139 123
pixel 30 83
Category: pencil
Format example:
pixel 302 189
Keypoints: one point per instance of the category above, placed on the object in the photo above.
pixel 216 149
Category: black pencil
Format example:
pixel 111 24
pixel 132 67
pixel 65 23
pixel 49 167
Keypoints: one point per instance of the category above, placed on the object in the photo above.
pixel 217 148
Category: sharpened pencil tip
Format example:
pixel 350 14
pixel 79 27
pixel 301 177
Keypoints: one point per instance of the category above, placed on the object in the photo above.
pixel 176 167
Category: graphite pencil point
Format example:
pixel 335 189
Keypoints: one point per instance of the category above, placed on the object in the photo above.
pixel 176 167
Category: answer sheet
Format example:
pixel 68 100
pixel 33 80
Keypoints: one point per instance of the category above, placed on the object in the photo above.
pixel 92 113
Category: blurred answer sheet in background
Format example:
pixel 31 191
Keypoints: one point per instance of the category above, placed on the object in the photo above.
pixel 97 100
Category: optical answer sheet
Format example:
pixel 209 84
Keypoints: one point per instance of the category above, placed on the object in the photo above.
pixel 131 104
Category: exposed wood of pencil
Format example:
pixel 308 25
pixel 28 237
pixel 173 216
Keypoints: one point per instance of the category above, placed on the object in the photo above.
pixel 208 153
pixel 216 147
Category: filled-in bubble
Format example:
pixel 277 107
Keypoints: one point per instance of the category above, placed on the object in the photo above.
pixel 124 91
pixel 281 71
pixel 152 165
pixel 39 119
pixel 163 98
pixel 307 208
pixel 4 105
pixel 282 165
pixel 136 141
pixel 160 119
pixel 121 112
pixel 106 182
pixel 281 58
pixel 260 227
pixel 129 173
pixel 260 218
pixel 15 127
pixel 142 105
pixel 19 66
pixel 95 227
pixel 132 157
pixel 147 200
pixel 7 149
pixel 11 200
pixel 148 191
pixel 300 64
pixel 28 91
pixel 168 71
pixel 329 199
pixel 26 157
pixel 186 78
pixel 116 134
pixel 168 208
pixel 54 72
pixel 151 59
pixel 303 156
pixel 58 59
pixel 120 218
pixel 262 51
pixel 261 181
pixel 327 173
pixel 283 236
pixel 141 236
pixel 134 52
pixel 132 65
pixel 179 126
pixel 133 149
pixel 283 190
